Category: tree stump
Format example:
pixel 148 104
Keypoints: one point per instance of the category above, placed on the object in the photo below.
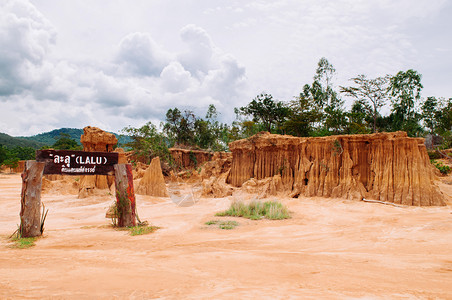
pixel 125 195
pixel 30 211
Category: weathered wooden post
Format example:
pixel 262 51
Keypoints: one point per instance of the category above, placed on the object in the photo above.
pixel 30 211
pixel 125 195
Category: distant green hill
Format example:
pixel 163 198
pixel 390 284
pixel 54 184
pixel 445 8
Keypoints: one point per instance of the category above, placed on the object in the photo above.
pixel 10 142
pixel 49 138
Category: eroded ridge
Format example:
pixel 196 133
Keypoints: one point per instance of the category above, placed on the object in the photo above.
pixel 390 167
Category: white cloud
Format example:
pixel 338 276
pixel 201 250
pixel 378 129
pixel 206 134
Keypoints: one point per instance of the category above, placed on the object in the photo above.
pixel 198 58
pixel 111 73
pixel 140 55
pixel 225 83
pixel 176 79
pixel 26 37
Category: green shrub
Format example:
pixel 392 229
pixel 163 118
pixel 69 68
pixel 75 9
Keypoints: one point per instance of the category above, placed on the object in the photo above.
pixel 442 168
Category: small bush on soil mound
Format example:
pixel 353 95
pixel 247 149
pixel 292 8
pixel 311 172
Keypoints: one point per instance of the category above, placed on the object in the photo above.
pixel 444 169
pixel 257 210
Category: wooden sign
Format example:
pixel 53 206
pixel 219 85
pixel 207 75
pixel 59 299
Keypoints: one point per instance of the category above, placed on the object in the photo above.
pixel 66 162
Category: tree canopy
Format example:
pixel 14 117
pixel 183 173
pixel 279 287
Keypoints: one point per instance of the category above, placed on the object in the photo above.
pixel 318 110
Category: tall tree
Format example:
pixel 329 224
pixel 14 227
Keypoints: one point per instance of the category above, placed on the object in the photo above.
pixel 179 127
pixel 405 89
pixel 326 98
pixel 171 127
pixel 444 116
pixel 302 117
pixel 430 113
pixel 324 73
pixel 371 93
pixel 218 130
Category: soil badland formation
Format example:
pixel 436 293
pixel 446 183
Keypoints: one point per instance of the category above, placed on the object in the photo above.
pixel 390 167
pixel 153 182
pixel 95 139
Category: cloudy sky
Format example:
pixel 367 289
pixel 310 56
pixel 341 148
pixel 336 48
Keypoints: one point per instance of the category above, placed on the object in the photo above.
pixel 119 63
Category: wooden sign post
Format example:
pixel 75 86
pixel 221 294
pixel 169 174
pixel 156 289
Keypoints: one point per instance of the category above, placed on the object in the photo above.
pixel 30 200
pixel 73 163
pixel 125 195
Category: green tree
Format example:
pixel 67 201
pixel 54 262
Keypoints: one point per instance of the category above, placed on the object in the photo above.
pixel 65 142
pixel 444 122
pixel 3 154
pixel 210 133
pixel 22 153
pixel 405 90
pixel 302 117
pixel 444 116
pixel 326 99
pixel 336 118
pixel 179 127
pixel 171 127
pixel 147 143
pixel 267 111
pixel 243 127
pixel 358 119
pixel 371 93
pixel 324 75
pixel 11 162
pixel 10 157
pixel 430 114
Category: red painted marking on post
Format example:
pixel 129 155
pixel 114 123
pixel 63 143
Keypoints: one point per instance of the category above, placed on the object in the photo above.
pixel 130 191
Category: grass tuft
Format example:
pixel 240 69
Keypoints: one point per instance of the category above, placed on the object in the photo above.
pixel 257 210
pixel 211 222
pixel 228 225
pixel 223 224
pixel 138 229
pixel 23 243
pixel 141 230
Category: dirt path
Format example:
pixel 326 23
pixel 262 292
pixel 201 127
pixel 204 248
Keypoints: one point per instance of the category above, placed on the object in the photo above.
pixel 329 249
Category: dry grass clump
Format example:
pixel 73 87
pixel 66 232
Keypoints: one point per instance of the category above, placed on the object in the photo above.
pixel 256 210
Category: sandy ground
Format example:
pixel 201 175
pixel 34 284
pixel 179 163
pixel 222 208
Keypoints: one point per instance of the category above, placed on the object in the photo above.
pixel 329 249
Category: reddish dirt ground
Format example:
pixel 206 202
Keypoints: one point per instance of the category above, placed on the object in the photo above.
pixel 329 249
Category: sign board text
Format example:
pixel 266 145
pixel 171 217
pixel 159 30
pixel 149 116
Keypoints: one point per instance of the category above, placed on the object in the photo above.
pixel 67 162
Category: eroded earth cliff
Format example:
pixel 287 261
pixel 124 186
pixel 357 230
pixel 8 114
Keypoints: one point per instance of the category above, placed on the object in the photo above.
pixel 390 167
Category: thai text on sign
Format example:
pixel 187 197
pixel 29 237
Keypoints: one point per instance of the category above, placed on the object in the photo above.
pixel 68 162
